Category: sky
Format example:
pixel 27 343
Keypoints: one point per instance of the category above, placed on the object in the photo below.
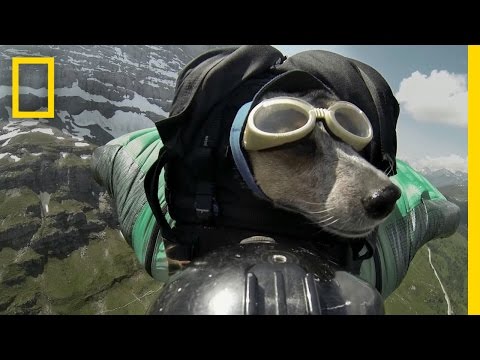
pixel 430 84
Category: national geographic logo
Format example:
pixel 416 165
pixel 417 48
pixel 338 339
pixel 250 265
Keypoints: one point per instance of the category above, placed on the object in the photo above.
pixel 16 62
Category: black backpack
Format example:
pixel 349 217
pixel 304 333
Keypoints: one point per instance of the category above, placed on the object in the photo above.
pixel 205 193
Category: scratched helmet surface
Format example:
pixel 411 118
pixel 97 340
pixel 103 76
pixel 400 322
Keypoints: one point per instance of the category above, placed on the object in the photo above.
pixel 266 278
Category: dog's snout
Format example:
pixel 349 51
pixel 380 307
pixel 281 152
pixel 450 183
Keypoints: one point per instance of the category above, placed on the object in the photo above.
pixel 380 203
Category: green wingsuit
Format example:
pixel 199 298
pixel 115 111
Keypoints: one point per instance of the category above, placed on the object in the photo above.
pixel 421 214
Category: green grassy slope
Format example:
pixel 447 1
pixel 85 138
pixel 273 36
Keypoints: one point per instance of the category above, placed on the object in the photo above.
pixel 420 291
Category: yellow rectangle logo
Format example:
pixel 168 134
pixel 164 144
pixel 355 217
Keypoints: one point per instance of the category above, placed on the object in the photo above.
pixel 473 180
pixel 16 62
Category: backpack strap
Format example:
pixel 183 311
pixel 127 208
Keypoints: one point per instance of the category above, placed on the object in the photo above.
pixel 151 191
pixel 206 206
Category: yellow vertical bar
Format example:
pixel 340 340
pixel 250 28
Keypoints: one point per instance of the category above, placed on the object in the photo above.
pixel 15 79
pixel 473 179
pixel 51 87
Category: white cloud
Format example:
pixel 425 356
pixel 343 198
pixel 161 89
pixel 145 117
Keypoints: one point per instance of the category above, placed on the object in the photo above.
pixel 440 97
pixel 451 162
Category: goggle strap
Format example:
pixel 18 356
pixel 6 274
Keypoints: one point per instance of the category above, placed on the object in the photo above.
pixel 237 153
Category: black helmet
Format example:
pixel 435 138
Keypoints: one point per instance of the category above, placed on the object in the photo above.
pixel 261 276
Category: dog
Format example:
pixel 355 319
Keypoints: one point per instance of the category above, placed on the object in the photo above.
pixel 321 178
pixel 325 179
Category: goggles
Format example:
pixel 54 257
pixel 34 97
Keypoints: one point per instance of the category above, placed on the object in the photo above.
pixel 282 120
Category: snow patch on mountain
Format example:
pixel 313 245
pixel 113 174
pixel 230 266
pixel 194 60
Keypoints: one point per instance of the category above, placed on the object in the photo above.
pixel 15 158
pixel 120 123
pixel 139 102
pixel 7 91
pixel 48 131
pixel 12 134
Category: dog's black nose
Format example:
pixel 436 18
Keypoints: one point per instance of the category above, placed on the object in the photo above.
pixel 380 203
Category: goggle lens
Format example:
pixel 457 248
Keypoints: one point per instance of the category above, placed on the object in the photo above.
pixel 280 119
pixel 351 120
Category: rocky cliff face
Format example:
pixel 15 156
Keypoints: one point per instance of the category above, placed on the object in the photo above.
pixel 60 248
pixel 101 92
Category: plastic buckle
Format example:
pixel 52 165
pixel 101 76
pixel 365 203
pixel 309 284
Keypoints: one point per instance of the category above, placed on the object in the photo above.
pixel 203 207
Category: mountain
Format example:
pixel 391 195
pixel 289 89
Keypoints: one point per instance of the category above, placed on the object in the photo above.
pixel 444 177
pixel 101 92
pixel 60 248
